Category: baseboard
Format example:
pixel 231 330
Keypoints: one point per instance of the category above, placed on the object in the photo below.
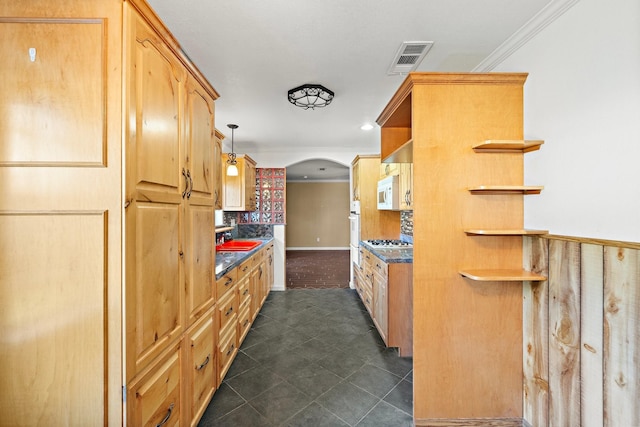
pixel 324 248
pixel 471 422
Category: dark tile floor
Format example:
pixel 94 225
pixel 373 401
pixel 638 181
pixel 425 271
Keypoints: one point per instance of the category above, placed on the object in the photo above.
pixel 313 358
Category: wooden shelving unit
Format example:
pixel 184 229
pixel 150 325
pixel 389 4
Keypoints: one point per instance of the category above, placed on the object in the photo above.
pixel 507 189
pixel 510 275
pixel 501 275
pixel 506 232
pixel 508 146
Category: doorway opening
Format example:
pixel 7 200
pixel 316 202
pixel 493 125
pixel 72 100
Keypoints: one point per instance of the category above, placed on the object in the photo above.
pixel 317 230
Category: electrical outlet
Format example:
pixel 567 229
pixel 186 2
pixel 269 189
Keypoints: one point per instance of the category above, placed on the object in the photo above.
pixel 317 239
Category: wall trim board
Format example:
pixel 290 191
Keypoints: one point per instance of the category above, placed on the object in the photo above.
pixel 552 11
pixel 588 240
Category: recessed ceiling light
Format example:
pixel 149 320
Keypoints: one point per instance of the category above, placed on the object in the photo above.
pixel 366 126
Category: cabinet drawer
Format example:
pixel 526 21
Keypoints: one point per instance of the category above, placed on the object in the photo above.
pixel 244 292
pixel 227 309
pixel 245 268
pixel 226 282
pixel 201 364
pixel 227 349
pixel 380 267
pixel 244 322
pixel 154 399
pixel 368 300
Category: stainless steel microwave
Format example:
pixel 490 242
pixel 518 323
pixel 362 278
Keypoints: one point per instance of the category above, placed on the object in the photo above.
pixel 388 194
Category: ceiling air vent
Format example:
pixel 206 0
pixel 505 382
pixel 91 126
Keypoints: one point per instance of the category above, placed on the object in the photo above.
pixel 409 57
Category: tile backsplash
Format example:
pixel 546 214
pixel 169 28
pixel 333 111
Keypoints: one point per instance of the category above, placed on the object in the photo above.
pixel 406 223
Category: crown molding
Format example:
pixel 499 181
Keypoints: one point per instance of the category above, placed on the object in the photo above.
pixel 552 11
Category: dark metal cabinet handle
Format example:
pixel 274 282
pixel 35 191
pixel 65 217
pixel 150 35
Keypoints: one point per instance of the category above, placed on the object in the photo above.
pixel 166 418
pixel 186 183
pixel 228 282
pixel 205 363
pixel 229 311
pixel 231 349
pixel 190 184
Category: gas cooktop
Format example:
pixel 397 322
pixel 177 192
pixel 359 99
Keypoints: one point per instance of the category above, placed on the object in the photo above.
pixel 389 243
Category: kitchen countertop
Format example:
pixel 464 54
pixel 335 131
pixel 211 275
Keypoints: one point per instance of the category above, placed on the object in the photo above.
pixel 226 261
pixel 390 255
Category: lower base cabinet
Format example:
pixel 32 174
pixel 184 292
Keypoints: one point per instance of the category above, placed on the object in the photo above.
pixel 155 398
pixel 386 290
pixel 227 349
pixel 176 388
pixel 201 378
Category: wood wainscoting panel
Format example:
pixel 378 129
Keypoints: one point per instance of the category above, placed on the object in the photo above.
pixel 591 303
pixel 589 324
pixel 564 333
pixel 536 334
pixel 621 336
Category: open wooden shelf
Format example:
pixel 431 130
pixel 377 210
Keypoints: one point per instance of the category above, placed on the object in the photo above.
pixel 500 275
pixel 506 232
pixel 507 146
pixel 506 189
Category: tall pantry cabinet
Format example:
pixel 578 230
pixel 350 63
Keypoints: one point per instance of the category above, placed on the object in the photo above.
pixel 467 328
pixel 107 167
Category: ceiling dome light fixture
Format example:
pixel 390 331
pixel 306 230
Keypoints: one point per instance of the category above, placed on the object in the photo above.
pixel 232 169
pixel 310 96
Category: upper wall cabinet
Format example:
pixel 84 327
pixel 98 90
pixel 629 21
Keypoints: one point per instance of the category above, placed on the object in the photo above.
pixel 239 192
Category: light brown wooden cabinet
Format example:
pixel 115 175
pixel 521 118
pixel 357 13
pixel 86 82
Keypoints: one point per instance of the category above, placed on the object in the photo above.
pixel 154 398
pixel 405 186
pixel 201 364
pixel 138 233
pixel 374 224
pixel 239 192
pixel 217 153
pixel 464 369
pixel 389 169
pixel 169 222
pixel 386 290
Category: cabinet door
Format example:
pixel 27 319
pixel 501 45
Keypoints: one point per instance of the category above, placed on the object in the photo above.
pixel 155 93
pixel 380 305
pixel 355 181
pixel 218 169
pixel 154 399
pixel 405 186
pixel 200 135
pixel 199 255
pixel 201 366
pixel 155 281
pixel 389 169
pixel 233 186
pixel 254 283
pixel 60 214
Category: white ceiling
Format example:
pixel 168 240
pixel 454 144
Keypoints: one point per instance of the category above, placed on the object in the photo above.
pixel 254 51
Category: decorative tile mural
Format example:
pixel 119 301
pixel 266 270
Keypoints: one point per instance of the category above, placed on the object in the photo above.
pixel 270 196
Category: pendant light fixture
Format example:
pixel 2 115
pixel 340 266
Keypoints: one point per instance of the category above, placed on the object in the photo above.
pixel 232 169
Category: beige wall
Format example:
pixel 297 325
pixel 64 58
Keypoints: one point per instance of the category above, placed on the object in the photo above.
pixel 317 210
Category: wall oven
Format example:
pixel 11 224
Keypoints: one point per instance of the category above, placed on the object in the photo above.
pixel 354 239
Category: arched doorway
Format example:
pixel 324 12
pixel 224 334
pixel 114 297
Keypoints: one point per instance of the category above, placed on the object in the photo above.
pixel 317 231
